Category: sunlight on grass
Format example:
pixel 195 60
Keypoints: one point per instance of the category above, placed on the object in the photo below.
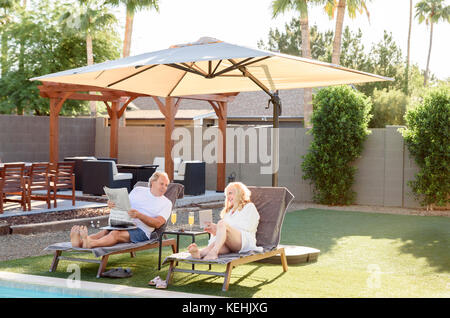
pixel 362 255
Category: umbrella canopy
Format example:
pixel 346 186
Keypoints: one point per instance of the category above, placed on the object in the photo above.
pixel 209 66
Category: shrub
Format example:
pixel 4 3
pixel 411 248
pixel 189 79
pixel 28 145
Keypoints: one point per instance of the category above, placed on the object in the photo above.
pixel 427 137
pixel 340 120
pixel 389 108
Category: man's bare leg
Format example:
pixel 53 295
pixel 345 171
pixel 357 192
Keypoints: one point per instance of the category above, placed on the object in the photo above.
pixel 75 238
pixel 111 239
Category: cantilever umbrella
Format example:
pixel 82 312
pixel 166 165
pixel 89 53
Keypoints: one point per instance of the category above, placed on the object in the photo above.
pixel 210 66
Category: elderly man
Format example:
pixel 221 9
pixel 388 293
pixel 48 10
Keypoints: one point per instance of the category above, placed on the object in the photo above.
pixel 149 207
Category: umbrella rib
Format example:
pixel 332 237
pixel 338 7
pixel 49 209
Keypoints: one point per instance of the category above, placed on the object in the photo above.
pixel 240 64
pixel 132 75
pixel 246 73
pixel 186 69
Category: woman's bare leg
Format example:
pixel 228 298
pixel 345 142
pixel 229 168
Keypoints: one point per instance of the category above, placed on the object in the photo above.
pixel 228 239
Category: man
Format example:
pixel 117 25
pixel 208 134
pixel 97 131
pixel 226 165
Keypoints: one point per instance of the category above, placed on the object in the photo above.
pixel 149 207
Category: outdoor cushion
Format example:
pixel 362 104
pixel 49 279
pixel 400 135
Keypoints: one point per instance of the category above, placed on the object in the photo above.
pixel 122 176
pixel 176 164
pixel 160 162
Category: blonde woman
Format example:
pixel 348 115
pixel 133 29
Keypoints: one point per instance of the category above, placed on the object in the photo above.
pixel 236 231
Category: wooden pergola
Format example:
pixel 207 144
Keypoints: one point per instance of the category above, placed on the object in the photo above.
pixel 117 101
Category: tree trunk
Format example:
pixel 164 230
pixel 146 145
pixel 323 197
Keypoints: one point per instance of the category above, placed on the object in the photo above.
pixel 336 56
pixel 425 82
pixel 128 34
pixel 408 48
pixel 306 52
pixel 90 61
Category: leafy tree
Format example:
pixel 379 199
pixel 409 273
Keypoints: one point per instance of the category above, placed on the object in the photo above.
pixel 428 139
pixel 383 58
pixel 340 119
pixel 389 108
pixel 89 18
pixel 7 8
pixel 132 6
pixel 431 11
pixel 47 48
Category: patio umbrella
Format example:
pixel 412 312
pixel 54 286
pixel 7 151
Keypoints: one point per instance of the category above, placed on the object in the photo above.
pixel 210 66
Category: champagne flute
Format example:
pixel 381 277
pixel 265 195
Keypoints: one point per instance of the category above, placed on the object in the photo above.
pixel 173 217
pixel 191 220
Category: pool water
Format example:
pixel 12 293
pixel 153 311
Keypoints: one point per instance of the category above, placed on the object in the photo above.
pixel 13 292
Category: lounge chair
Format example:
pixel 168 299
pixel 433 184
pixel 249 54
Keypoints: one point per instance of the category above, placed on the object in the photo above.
pixel 174 191
pixel 271 203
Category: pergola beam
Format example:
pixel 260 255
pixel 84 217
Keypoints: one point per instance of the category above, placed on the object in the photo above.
pixel 58 93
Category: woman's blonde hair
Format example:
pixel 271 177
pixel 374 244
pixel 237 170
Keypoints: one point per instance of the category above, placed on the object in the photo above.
pixel 242 197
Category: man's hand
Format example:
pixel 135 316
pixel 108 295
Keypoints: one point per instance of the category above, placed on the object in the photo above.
pixel 111 204
pixel 133 213
pixel 211 228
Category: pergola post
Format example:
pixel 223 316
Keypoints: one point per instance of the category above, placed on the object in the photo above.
pixel 221 111
pixel 169 110
pixel 55 109
pixel 114 131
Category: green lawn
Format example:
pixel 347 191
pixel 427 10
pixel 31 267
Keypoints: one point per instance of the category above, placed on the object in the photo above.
pixel 362 255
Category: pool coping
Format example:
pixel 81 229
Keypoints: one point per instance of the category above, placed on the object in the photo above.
pixel 68 287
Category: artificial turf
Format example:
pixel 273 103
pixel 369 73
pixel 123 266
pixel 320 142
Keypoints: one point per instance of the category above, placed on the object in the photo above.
pixel 362 255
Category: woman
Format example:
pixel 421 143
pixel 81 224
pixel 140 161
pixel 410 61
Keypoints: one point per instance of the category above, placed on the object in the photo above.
pixel 236 231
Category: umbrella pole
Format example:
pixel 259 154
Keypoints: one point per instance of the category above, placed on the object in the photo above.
pixel 275 137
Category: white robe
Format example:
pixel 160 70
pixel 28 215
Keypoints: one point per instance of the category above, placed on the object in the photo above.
pixel 246 221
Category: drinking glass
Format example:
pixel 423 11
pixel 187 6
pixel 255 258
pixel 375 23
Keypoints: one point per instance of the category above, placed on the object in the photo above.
pixel 191 220
pixel 173 218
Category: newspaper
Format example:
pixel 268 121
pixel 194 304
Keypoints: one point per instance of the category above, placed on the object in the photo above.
pixel 118 216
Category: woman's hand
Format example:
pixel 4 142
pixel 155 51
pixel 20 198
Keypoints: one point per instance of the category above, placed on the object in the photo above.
pixel 211 228
pixel 133 213
pixel 111 204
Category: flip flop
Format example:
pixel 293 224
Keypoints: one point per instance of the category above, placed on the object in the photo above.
pixel 161 284
pixel 154 281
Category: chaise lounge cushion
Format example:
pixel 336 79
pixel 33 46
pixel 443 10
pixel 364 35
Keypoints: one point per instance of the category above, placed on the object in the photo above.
pixel 271 203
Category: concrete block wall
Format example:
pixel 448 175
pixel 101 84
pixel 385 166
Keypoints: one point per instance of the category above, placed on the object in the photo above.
pixel 26 138
pixel 381 179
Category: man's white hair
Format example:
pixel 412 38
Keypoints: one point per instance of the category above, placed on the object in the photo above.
pixel 155 176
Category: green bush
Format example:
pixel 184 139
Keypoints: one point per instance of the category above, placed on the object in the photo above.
pixel 428 139
pixel 389 108
pixel 340 120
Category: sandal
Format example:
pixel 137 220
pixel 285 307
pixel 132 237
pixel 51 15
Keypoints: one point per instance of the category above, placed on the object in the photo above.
pixel 158 283
pixel 154 281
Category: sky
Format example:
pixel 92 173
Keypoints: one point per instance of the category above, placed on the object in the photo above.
pixel 246 22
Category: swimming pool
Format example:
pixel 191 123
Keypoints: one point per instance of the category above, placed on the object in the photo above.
pixel 18 292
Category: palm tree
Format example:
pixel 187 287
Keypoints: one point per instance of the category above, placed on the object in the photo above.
pixel 132 6
pixel 408 48
pixel 87 17
pixel 301 6
pixel 431 11
pixel 340 6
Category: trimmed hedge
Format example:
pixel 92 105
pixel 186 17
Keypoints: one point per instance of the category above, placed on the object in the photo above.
pixel 340 120
pixel 427 137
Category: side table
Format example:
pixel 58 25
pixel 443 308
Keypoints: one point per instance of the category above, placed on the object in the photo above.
pixel 193 234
